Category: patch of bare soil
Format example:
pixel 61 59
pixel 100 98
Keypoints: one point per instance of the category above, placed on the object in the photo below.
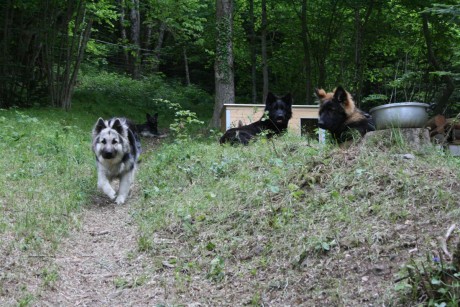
pixel 98 265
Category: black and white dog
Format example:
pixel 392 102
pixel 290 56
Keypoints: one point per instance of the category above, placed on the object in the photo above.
pixel 117 149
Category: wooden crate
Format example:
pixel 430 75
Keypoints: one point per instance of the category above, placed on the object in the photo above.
pixel 302 116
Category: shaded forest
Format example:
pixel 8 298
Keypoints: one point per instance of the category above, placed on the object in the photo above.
pixel 381 51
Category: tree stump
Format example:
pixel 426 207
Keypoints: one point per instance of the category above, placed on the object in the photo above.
pixel 415 138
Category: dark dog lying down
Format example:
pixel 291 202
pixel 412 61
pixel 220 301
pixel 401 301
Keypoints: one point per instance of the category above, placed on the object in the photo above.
pixel 150 128
pixel 278 110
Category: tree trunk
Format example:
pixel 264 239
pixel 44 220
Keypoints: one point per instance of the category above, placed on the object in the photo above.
pixel 63 53
pixel 147 52
pixel 252 42
pixel 135 40
pixel 443 101
pixel 330 34
pixel 223 66
pixel 157 50
pixel 359 32
pixel 306 52
pixel 66 101
pixel 124 37
pixel 264 51
pixel 187 73
pixel 358 47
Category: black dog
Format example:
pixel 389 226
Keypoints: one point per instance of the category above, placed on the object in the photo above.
pixel 150 128
pixel 278 110
pixel 339 115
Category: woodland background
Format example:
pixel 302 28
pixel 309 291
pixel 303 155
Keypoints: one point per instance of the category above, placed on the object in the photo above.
pixel 381 51
pixel 286 221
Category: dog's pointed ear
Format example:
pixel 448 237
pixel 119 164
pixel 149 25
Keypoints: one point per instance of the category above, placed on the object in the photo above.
pixel 100 125
pixel 271 98
pixel 148 116
pixel 287 98
pixel 320 93
pixel 155 116
pixel 118 126
pixel 341 95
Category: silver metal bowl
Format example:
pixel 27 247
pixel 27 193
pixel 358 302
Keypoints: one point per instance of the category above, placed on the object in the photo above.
pixel 400 115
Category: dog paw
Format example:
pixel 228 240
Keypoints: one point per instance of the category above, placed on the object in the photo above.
pixel 120 200
pixel 112 196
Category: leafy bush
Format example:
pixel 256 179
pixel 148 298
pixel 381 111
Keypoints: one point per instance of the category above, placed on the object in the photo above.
pixel 117 95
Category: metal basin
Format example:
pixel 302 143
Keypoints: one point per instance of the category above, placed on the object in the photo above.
pixel 400 115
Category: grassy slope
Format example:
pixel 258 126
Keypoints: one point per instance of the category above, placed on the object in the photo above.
pixel 275 222
pixel 46 171
pixel 290 223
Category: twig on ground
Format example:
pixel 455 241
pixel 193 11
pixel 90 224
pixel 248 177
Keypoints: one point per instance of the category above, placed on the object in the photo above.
pixel 443 241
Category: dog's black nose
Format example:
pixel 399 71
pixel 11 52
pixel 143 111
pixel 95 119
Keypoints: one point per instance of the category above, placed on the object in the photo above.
pixel 108 154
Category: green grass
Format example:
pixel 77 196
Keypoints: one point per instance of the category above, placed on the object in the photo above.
pixel 46 174
pixel 283 205
pixel 285 221
pixel 47 169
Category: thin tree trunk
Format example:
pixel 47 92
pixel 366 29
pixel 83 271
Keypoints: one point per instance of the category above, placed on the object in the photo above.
pixel 135 39
pixel 187 73
pixel 443 101
pixel 359 32
pixel 6 88
pixel 66 103
pixel 72 50
pixel 253 47
pixel 157 50
pixel 306 52
pixel 147 52
pixel 124 37
pixel 358 48
pixel 264 51
pixel 223 66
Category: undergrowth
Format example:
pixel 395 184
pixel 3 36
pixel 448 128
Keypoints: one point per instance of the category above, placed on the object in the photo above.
pixel 104 94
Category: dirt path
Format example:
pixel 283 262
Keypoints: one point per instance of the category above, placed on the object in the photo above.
pixel 99 266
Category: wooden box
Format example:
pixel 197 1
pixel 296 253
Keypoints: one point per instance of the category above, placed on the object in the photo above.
pixel 304 117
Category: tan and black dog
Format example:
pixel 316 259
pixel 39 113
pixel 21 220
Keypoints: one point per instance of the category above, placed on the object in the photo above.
pixel 339 115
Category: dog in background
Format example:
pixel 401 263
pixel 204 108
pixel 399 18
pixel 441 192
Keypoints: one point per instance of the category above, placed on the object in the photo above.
pixel 279 112
pixel 117 149
pixel 339 115
pixel 150 128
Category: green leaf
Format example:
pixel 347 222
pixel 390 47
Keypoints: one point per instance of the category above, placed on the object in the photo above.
pixel 210 246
